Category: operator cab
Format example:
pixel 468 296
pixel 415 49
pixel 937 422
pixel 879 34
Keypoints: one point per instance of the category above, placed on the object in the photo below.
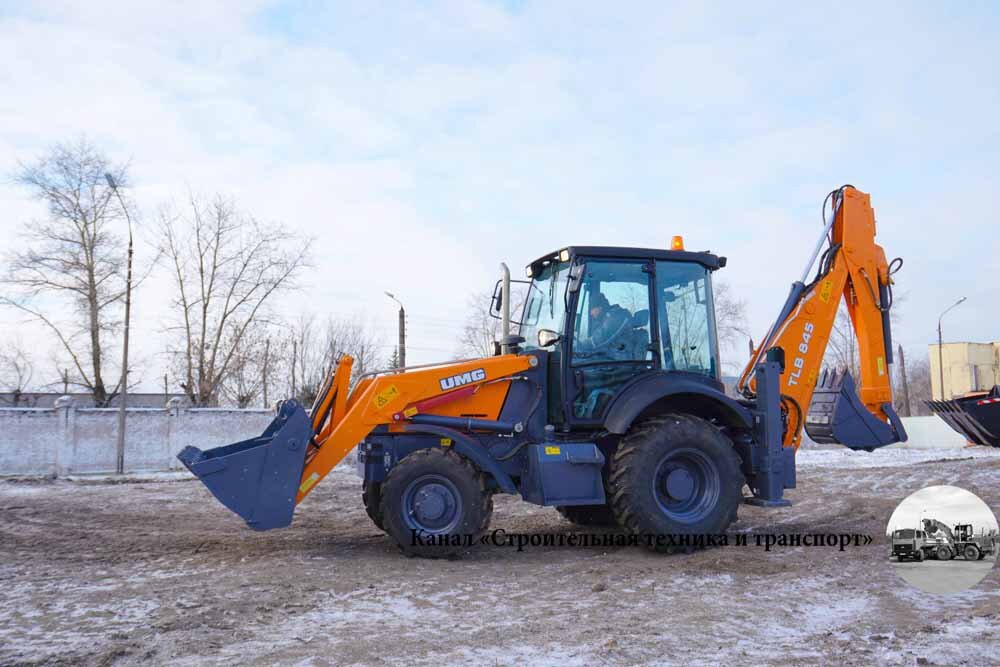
pixel 608 315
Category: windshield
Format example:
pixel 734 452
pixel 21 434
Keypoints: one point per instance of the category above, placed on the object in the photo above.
pixel 905 534
pixel 687 318
pixel 545 306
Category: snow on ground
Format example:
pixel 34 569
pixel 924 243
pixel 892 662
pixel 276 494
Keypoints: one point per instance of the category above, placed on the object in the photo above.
pixel 835 456
pixel 152 572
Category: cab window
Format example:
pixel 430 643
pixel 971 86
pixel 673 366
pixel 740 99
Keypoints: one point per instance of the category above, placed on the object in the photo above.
pixel 611 333
pixel 687 318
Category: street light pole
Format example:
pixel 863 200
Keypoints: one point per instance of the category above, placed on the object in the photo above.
pixel 123 383
pixel 401 349
pixel 940 347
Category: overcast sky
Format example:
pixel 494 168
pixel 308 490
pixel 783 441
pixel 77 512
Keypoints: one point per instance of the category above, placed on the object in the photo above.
pixel 948 504
pixel 423 143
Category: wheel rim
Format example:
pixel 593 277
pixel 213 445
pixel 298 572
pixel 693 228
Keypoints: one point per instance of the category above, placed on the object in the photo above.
pixel 432 505
pixel 686 485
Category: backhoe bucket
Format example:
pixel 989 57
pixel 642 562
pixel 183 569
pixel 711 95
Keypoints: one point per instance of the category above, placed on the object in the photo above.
pixel 258 478
pixel 977 418
pixel 836 415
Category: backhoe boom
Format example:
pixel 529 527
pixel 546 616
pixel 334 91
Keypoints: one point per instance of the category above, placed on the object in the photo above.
pixel 852 268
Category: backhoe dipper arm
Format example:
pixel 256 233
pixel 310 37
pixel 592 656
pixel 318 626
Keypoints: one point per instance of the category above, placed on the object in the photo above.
pixel 852 267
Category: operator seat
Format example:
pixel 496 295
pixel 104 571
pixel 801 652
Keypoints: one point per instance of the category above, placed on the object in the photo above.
pixel 640 335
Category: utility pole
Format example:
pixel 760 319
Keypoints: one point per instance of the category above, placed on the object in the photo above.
pixel 402 331
pixel 906 387
pixel 941 348
pixel 123 393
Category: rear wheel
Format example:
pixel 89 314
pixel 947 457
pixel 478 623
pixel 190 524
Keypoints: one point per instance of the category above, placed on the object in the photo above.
pixel 435 504
pixel 588 515
pixel 675 475
pixel 944 553
pixel 971 552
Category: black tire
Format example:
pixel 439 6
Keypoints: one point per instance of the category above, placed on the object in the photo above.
pixel 588 515
pixel 971 552
pixel 371 496
pixel 920 556
pixel 457 507
pixel 694 458
pixel 944 553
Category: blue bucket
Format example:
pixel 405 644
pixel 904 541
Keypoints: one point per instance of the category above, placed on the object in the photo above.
pixel 836 415
pixel 258 479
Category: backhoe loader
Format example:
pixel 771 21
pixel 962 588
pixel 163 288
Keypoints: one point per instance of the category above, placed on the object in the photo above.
pixel 606 403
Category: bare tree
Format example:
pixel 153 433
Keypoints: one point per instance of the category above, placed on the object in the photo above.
pixel 842 351
pixel 316 349
pixel 16 371
pixel 918 379
pixel 70 276
pixel 249 373
pixel 481 329
pixel 731 323
pixel 226 268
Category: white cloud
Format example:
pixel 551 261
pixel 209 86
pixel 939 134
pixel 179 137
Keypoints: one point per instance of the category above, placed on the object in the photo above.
pixel 422 145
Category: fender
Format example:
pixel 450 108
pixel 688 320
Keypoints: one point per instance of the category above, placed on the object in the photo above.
pixel 695 395
pixel 471 450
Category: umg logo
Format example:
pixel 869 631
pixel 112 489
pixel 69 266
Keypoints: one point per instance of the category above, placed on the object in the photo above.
pixel 477 375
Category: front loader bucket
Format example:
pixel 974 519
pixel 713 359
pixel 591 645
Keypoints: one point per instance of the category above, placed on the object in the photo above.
pixel 258 478
pixel 977 418
pixel 836 415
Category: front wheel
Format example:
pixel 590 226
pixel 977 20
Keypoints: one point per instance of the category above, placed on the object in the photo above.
pixel 435 504
pixel 675 475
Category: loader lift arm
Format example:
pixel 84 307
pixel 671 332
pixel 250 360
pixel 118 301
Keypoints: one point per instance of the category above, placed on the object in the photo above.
pixel 259 479
pixel 853 267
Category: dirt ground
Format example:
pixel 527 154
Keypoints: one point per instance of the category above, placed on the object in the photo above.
pixel 157 572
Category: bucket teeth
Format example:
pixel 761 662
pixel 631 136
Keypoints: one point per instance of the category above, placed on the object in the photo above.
pixel 976 418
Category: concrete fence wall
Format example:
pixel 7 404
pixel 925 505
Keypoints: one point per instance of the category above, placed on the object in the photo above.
pixel 67 440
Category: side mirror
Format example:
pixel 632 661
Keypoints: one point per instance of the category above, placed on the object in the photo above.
pixel 496 302
pixel 547 338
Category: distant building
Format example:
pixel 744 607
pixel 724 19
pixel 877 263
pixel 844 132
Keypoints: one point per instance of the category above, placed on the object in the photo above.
pixel 36 399
pixel 967 367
